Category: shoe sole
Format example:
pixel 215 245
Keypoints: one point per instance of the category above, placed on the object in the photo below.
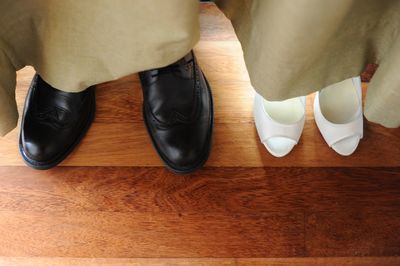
pixel 53 163
pixel 200 164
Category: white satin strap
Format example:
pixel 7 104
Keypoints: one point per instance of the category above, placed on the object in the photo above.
pixel 334 133
pixel 268 128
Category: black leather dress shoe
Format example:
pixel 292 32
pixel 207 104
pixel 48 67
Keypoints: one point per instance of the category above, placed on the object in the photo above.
pixel 178 112
pixel 53 123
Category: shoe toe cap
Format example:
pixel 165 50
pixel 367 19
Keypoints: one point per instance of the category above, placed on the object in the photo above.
pixel 184 158
pixel 39 152
pixel 279 146
pixel 346 146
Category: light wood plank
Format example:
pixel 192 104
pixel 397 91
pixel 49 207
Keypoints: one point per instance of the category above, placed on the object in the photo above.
pixel 235 144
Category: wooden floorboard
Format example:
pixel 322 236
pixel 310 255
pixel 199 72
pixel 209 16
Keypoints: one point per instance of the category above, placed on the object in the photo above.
pixel 344 261
pixel 118 136
pixel 117 234
pixel 230 191
pixel 330 261
pixel 355 261
pixel 372 233
pixel 219 212
pixel 113 203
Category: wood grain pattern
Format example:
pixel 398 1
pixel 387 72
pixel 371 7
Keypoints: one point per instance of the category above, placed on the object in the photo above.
pixel 117 234
pixel 247 191
pixel 219 212
pixel 372 233
pixel 331 261
pixel 112 202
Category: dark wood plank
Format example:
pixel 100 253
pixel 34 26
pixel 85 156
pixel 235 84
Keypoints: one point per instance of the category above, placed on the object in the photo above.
pixel 353 233
pixel 48 261
pixel 218 212
pixel 118 234
pixel 369 72
pixel 228 191
pixel 331 261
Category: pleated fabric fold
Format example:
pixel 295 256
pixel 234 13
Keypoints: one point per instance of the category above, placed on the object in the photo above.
pixel 294 48
pixel 76 44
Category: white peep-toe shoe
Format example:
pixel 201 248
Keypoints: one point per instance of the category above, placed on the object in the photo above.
pixel 339 116
pixel 279 124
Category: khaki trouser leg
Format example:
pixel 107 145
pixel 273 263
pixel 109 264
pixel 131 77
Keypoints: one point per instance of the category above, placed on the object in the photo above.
pixel 8 106
pixel 76 44
pixel 382 102
pixel 293 48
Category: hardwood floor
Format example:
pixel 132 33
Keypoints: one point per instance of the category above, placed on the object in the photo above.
pixel 112 203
